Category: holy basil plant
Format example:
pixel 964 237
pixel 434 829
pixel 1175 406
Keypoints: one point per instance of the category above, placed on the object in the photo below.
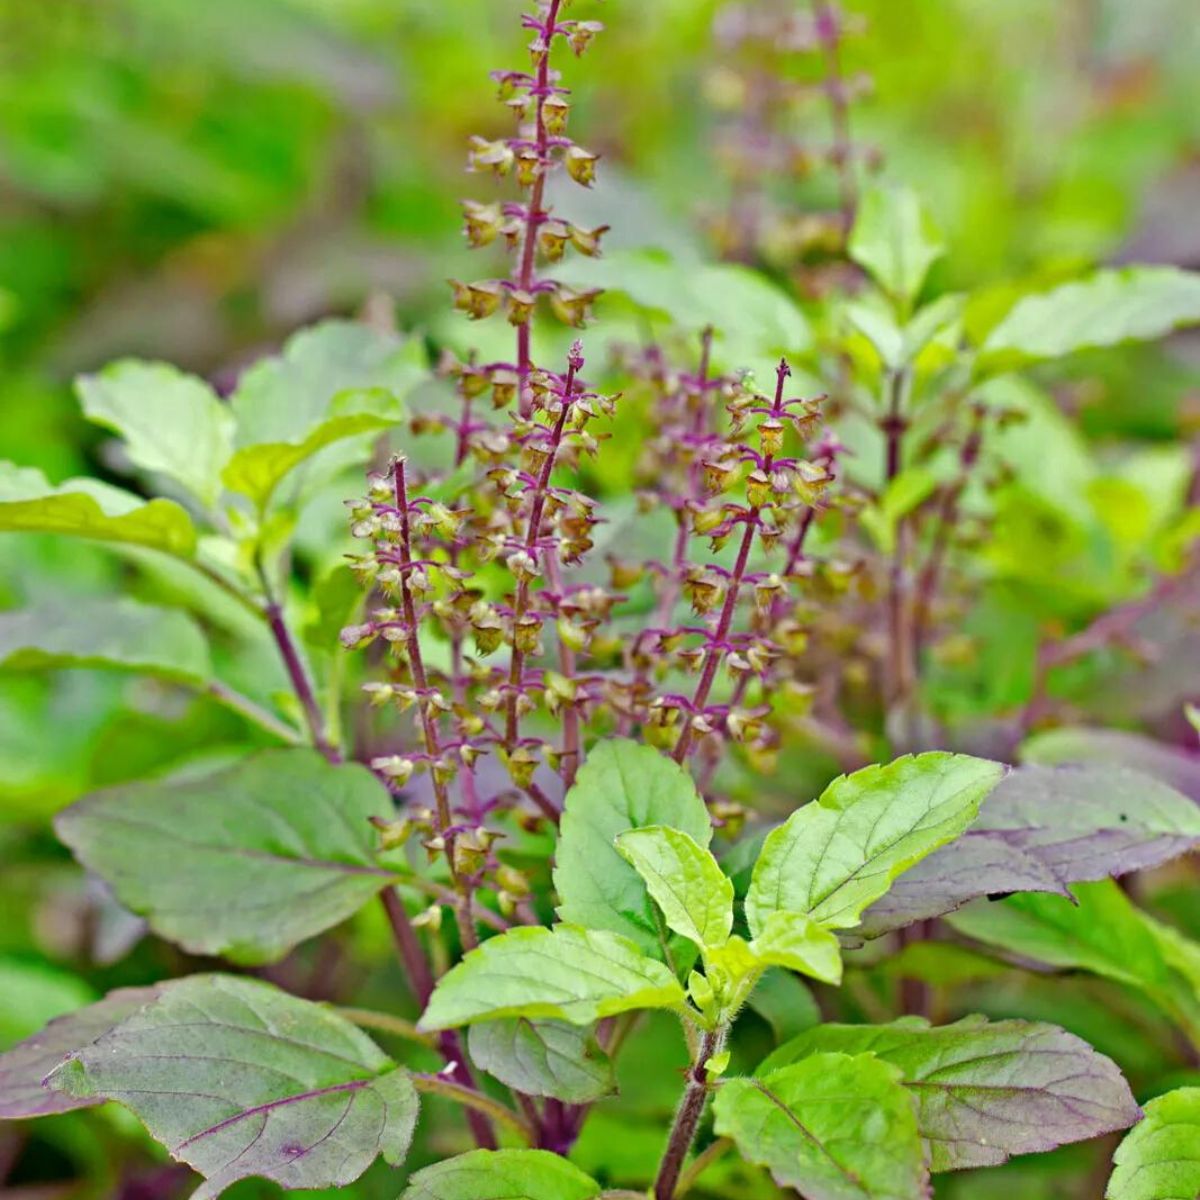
pixel 237 1078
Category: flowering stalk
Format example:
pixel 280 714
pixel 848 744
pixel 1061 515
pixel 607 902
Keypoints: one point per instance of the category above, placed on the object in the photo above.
pixel 761 43
pixel 769 486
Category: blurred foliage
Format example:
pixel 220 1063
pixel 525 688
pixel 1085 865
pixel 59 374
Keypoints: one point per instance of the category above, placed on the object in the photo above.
pixel 191 182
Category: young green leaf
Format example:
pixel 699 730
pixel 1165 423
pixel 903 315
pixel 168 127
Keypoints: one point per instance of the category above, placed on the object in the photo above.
pixel 87 508
pixel 795 941
pixel 119 635
pixel 622 785
pixel 894 239
pixel 1159 1159
pixel 23 1067
pixel 502 1175
pixel 1110 307
pixel 245 862
pixel 577 975
pixel 986 1090
pixel 256 471
pixel 684 880
pixel 543 1058
pixel 1096 928
pixel 285 398
pixel 834 1127
pixel 1041 829
pixel 239 1079
pixel 837 855
pixel 172 423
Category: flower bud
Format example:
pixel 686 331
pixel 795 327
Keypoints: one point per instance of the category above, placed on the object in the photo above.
pixel 581 165
pixel 395 767
pixel 520 305
pixel 770 434
pixel 477 300
pixel 483 222
pixel 555 109
pixel 572 307
pixel 490 156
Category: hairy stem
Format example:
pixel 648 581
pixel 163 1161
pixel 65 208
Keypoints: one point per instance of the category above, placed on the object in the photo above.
pixel 705 1159
pixel 687 1116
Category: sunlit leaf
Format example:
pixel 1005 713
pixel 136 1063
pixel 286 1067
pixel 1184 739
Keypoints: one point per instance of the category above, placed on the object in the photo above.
pixel 796 941
pixel 88 508
pixel 684 880
pixel 834 1127
pixel 283 399
pixel 622 785
pixel 257 470
pixel 577 975
pixel 172 423
pixel 1159 1159
pixel 835 856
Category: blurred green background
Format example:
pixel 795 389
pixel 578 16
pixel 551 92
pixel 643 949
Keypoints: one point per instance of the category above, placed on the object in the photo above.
pixel 191 180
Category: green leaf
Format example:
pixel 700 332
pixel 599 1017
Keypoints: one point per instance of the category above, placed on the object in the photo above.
pixel 256 471
pixel 834 1127
pixel 795 941
pixel 750 315
pixel 119 635
pixel 502 1175
pixel 1096 929
pixel 684 880
pixel 895 240
pixel 239 1079
pixel 986 1090
pixel 577 975
pixel 23 1068
pixel 543 1058
pixel 284 399
pixel 88 508
pixel 245 862
pixel 1108 308
pixel 834 857
pixel 899 346
pixel 1159 1159
pixel 622 785
pixel 172 423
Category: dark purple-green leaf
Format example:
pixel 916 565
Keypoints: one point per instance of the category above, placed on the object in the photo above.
pixel 1040 830
pixel 986 1090
pixel 23 1068
pixel 239 1079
